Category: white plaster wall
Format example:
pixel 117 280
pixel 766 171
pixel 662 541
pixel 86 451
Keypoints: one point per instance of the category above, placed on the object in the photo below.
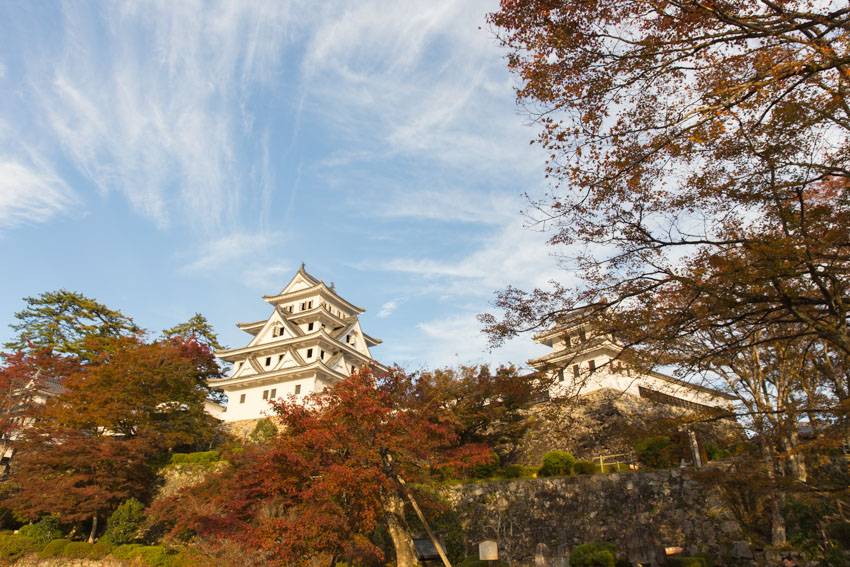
pixel 255 406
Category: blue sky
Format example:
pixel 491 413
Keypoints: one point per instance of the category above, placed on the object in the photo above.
pixel 172 157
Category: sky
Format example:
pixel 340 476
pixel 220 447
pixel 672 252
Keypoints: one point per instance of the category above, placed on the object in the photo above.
pixel 167 158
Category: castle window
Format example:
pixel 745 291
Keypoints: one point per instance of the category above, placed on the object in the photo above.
pixel 303 306
pixel 273 393
pixel 265 394
pixel 560 375
pixel 576 371
pixel 582 335
pixel 592 365
pixel 309 326
pixel 309 353
pixel 310 304
pixel 297 389
pixel 322 354
pixel 347 339
pixel 242 399
pixel 268 361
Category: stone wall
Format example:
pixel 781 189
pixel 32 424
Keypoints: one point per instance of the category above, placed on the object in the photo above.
pixel 35 561
pixel 639 512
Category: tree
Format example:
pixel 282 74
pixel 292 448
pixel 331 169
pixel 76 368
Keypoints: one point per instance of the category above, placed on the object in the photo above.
pixel 87 449
pixel 197 328
pixel 63 320
pixel 487 406
pixel 332 476
pixel 682 129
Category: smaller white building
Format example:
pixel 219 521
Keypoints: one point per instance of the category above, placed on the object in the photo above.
pixel 312 339
pixel 584 360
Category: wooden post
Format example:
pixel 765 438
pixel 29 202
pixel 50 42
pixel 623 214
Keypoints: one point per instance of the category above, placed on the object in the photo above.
pixel 424 522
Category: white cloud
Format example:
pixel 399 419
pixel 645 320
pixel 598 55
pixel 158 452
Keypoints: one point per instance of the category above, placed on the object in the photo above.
pixel 30 194
pixel 239 252
pixel 514 255
pixel 389 307
pixel 160 115
pixel 458 340
pixel 2 70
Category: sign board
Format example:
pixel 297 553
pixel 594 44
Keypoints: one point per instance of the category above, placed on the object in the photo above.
pixel 487 550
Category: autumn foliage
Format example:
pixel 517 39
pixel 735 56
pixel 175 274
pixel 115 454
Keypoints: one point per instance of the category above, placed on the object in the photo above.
pixel 331 478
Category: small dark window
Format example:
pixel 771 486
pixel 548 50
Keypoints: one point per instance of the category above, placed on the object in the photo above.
pixel 561 375
pixel 309 326
pixel 297 389
pixel 347 339
pixel 322 354
pixel 592 365
pixel 576 371
pixel 268 361
pixel 309 353
pixel 273 393
pixel 265 394
pixel 582 335
pixel 310 304
pixel 242 399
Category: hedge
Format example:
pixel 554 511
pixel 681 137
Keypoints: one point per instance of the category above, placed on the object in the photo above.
pixel 54 548
pixel 586 467
pixel 557 463
pixel 14 545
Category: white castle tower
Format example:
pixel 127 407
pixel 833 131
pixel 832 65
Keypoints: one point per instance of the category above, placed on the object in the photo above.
pixel 311 340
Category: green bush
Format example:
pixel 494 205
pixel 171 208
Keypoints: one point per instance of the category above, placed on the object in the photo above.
pixel 77 550
pixel 203 458
pixel 54 548
pixel 152 555
pixel 514 471
pixel 42 531
pixel 488 469
pixel 839 532
pixel 557 463
pixel 100 549
pixel 123 525
pixel 264 431
pixel 14 545
pixel 713 452
pixel 595 554
pixel 586 467
pixel 655 452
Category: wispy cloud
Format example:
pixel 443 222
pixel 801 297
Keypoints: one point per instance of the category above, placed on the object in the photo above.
pixel 235 251
pixel 389 307
pixel 161 115
pixel 30 194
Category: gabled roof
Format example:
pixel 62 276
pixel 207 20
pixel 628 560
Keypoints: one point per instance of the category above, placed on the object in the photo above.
pixel 301 276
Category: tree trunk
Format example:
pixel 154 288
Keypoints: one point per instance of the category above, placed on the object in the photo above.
pixel 93 528
pixel 777 520
pixel 796 463
pixel 399 531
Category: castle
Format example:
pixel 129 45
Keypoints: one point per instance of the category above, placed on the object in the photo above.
pixel 311 340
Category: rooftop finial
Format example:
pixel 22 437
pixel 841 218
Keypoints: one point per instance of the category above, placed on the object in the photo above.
pixel 302 264
pixel 332 286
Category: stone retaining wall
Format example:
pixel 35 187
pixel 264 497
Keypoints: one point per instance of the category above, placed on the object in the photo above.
pixel 537 521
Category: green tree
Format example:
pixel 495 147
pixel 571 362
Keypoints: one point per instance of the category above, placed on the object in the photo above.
pixel 198 328
pixel 63 320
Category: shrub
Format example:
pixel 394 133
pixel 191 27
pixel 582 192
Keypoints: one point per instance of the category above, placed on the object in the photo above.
pixel 513 471
pixel 557 463
pixel 713 452
pixel 77 550
pixel 655 452
pixel 99 550
pixel 129 551
pixel 488 469
pixel 264 431
pixel 586 467
pixel 123 525
pixel 42 531
pixel 14 545
pixel 205 458
pixel 54 548
pixel 153 555
pixel 596 554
